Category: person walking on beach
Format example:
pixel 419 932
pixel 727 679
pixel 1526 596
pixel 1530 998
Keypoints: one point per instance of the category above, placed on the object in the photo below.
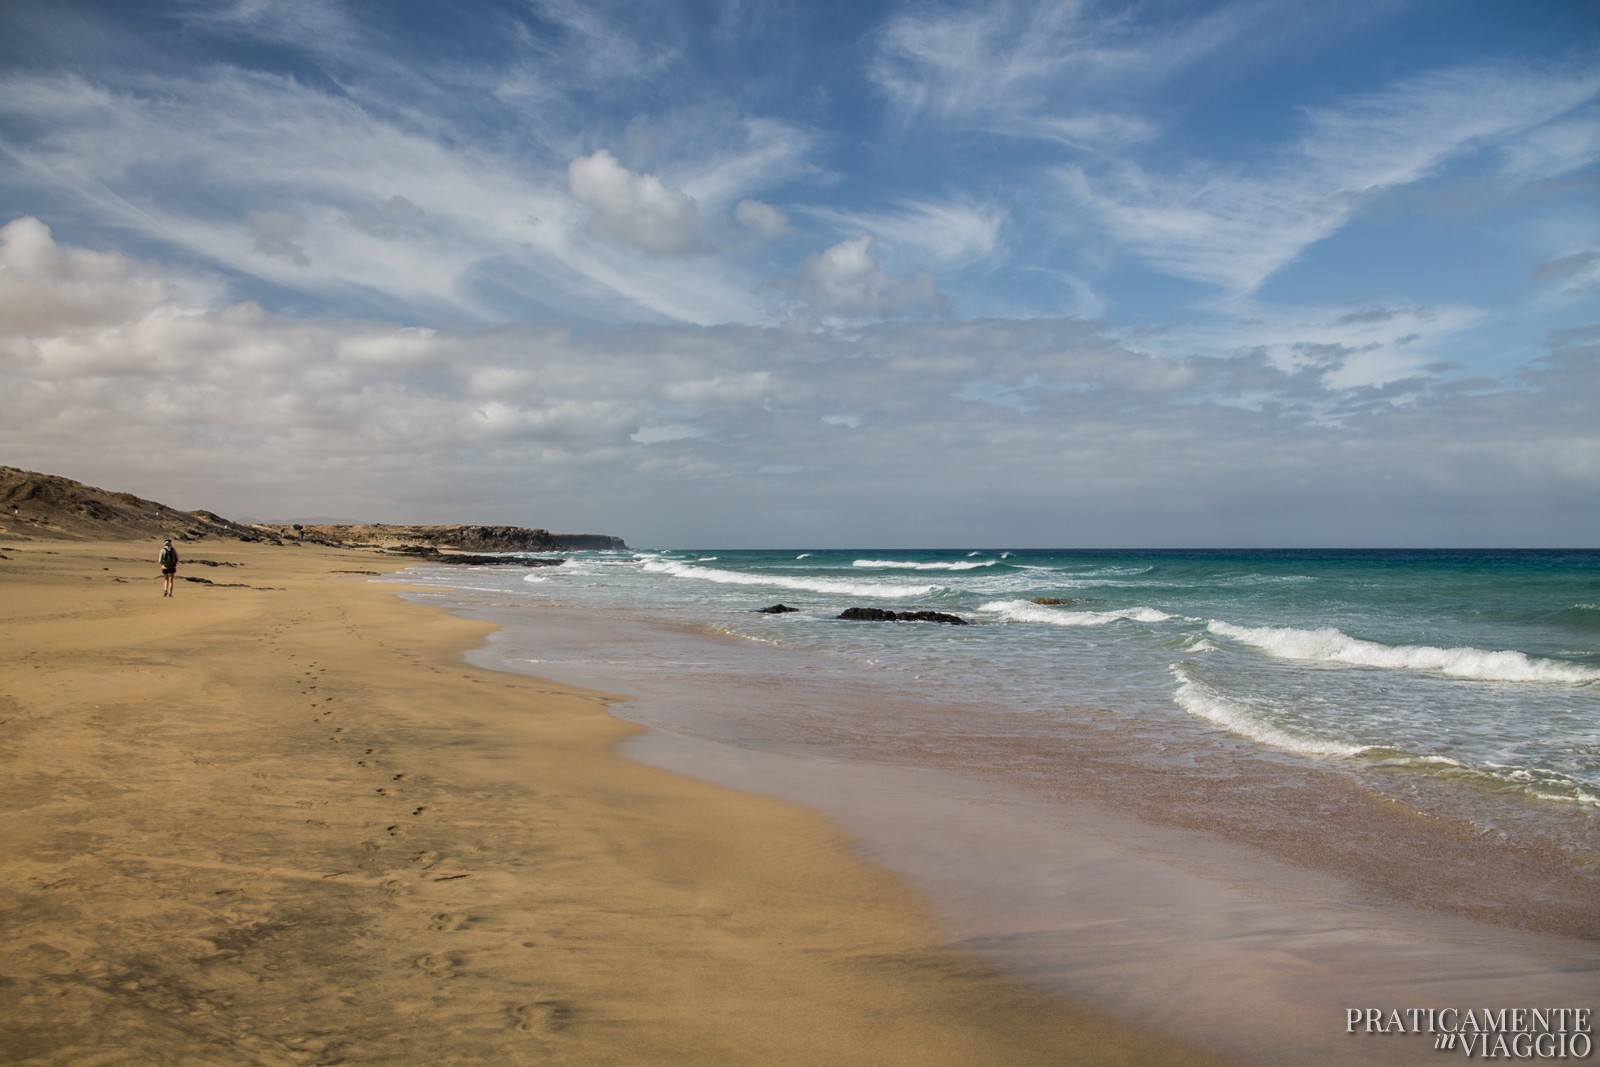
pixel 169 566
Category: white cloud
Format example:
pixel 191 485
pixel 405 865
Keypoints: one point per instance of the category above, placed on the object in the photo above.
pixel 661 434
pixel 47 289
pixel 848 280
pixel 1326 363
pixel 763 220
pixel 638 209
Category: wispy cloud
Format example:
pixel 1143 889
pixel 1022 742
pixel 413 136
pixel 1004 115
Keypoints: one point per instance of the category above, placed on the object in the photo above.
pixel 1235 227
pixel 1070 72
pixel 947 233
pixel 278 181
pixel 672 262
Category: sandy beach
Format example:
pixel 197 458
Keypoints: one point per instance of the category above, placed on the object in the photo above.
pixel 278 819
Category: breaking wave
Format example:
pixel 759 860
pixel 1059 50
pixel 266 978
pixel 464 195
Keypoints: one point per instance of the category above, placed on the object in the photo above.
pixel 1334 646
pixel 1027 611
pixel 910 565
pixel 778 581
pixel 1201 701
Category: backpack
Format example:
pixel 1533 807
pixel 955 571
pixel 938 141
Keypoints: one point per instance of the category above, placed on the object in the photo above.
pixel 169 556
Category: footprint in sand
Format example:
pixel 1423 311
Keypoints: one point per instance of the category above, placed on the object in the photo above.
pixel 439 966
pixel 543 1017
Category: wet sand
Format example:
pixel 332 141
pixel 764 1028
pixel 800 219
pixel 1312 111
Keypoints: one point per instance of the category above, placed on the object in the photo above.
pixel 1244 905
pixel 277 819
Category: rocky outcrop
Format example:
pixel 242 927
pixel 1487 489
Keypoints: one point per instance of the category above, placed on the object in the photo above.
pixel 777 609
pixel 460 538
pixel 1052 600
pixel 884 615
pixel 433 555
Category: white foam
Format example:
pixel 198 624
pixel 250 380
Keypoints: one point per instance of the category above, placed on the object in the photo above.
pixel 910 565
pixel 810 585
pixel 1330 645
pixel 1200 700
pixel 1027 611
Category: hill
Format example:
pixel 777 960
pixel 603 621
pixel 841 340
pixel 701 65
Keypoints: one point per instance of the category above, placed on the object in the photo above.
pixel 56 508
pixel 52 507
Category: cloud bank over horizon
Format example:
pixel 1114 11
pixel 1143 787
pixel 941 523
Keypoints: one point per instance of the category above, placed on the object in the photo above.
pixel 1020 275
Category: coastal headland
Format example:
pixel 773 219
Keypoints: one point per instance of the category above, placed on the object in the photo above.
pixel 277 819
pixel 51 507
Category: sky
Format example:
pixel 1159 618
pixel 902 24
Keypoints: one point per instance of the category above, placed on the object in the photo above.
pixel 736 273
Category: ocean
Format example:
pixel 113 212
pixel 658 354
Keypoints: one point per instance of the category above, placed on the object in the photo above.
pixel 1170 782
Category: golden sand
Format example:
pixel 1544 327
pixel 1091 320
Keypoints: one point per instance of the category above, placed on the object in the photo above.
pixel 277 820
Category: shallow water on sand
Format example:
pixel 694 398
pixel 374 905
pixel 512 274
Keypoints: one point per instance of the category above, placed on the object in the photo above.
pixel 1190 879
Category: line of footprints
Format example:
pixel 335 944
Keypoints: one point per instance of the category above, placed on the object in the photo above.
pixel 544 1017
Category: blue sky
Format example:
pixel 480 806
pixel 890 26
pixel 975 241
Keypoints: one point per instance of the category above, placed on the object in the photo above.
pixel 783 274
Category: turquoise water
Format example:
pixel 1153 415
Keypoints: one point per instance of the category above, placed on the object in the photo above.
pixel 1479 664
pixel 1295 711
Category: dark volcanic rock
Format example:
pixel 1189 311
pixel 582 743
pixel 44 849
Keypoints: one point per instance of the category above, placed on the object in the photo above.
pixel 466 538
pixel 884 615
pixel 868 615
pixel 1052 600
pixel 931 616
pixel 433 555
pixel 777 609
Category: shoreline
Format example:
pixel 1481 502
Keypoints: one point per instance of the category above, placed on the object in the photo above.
pixel 1091 896
pixel 282 820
